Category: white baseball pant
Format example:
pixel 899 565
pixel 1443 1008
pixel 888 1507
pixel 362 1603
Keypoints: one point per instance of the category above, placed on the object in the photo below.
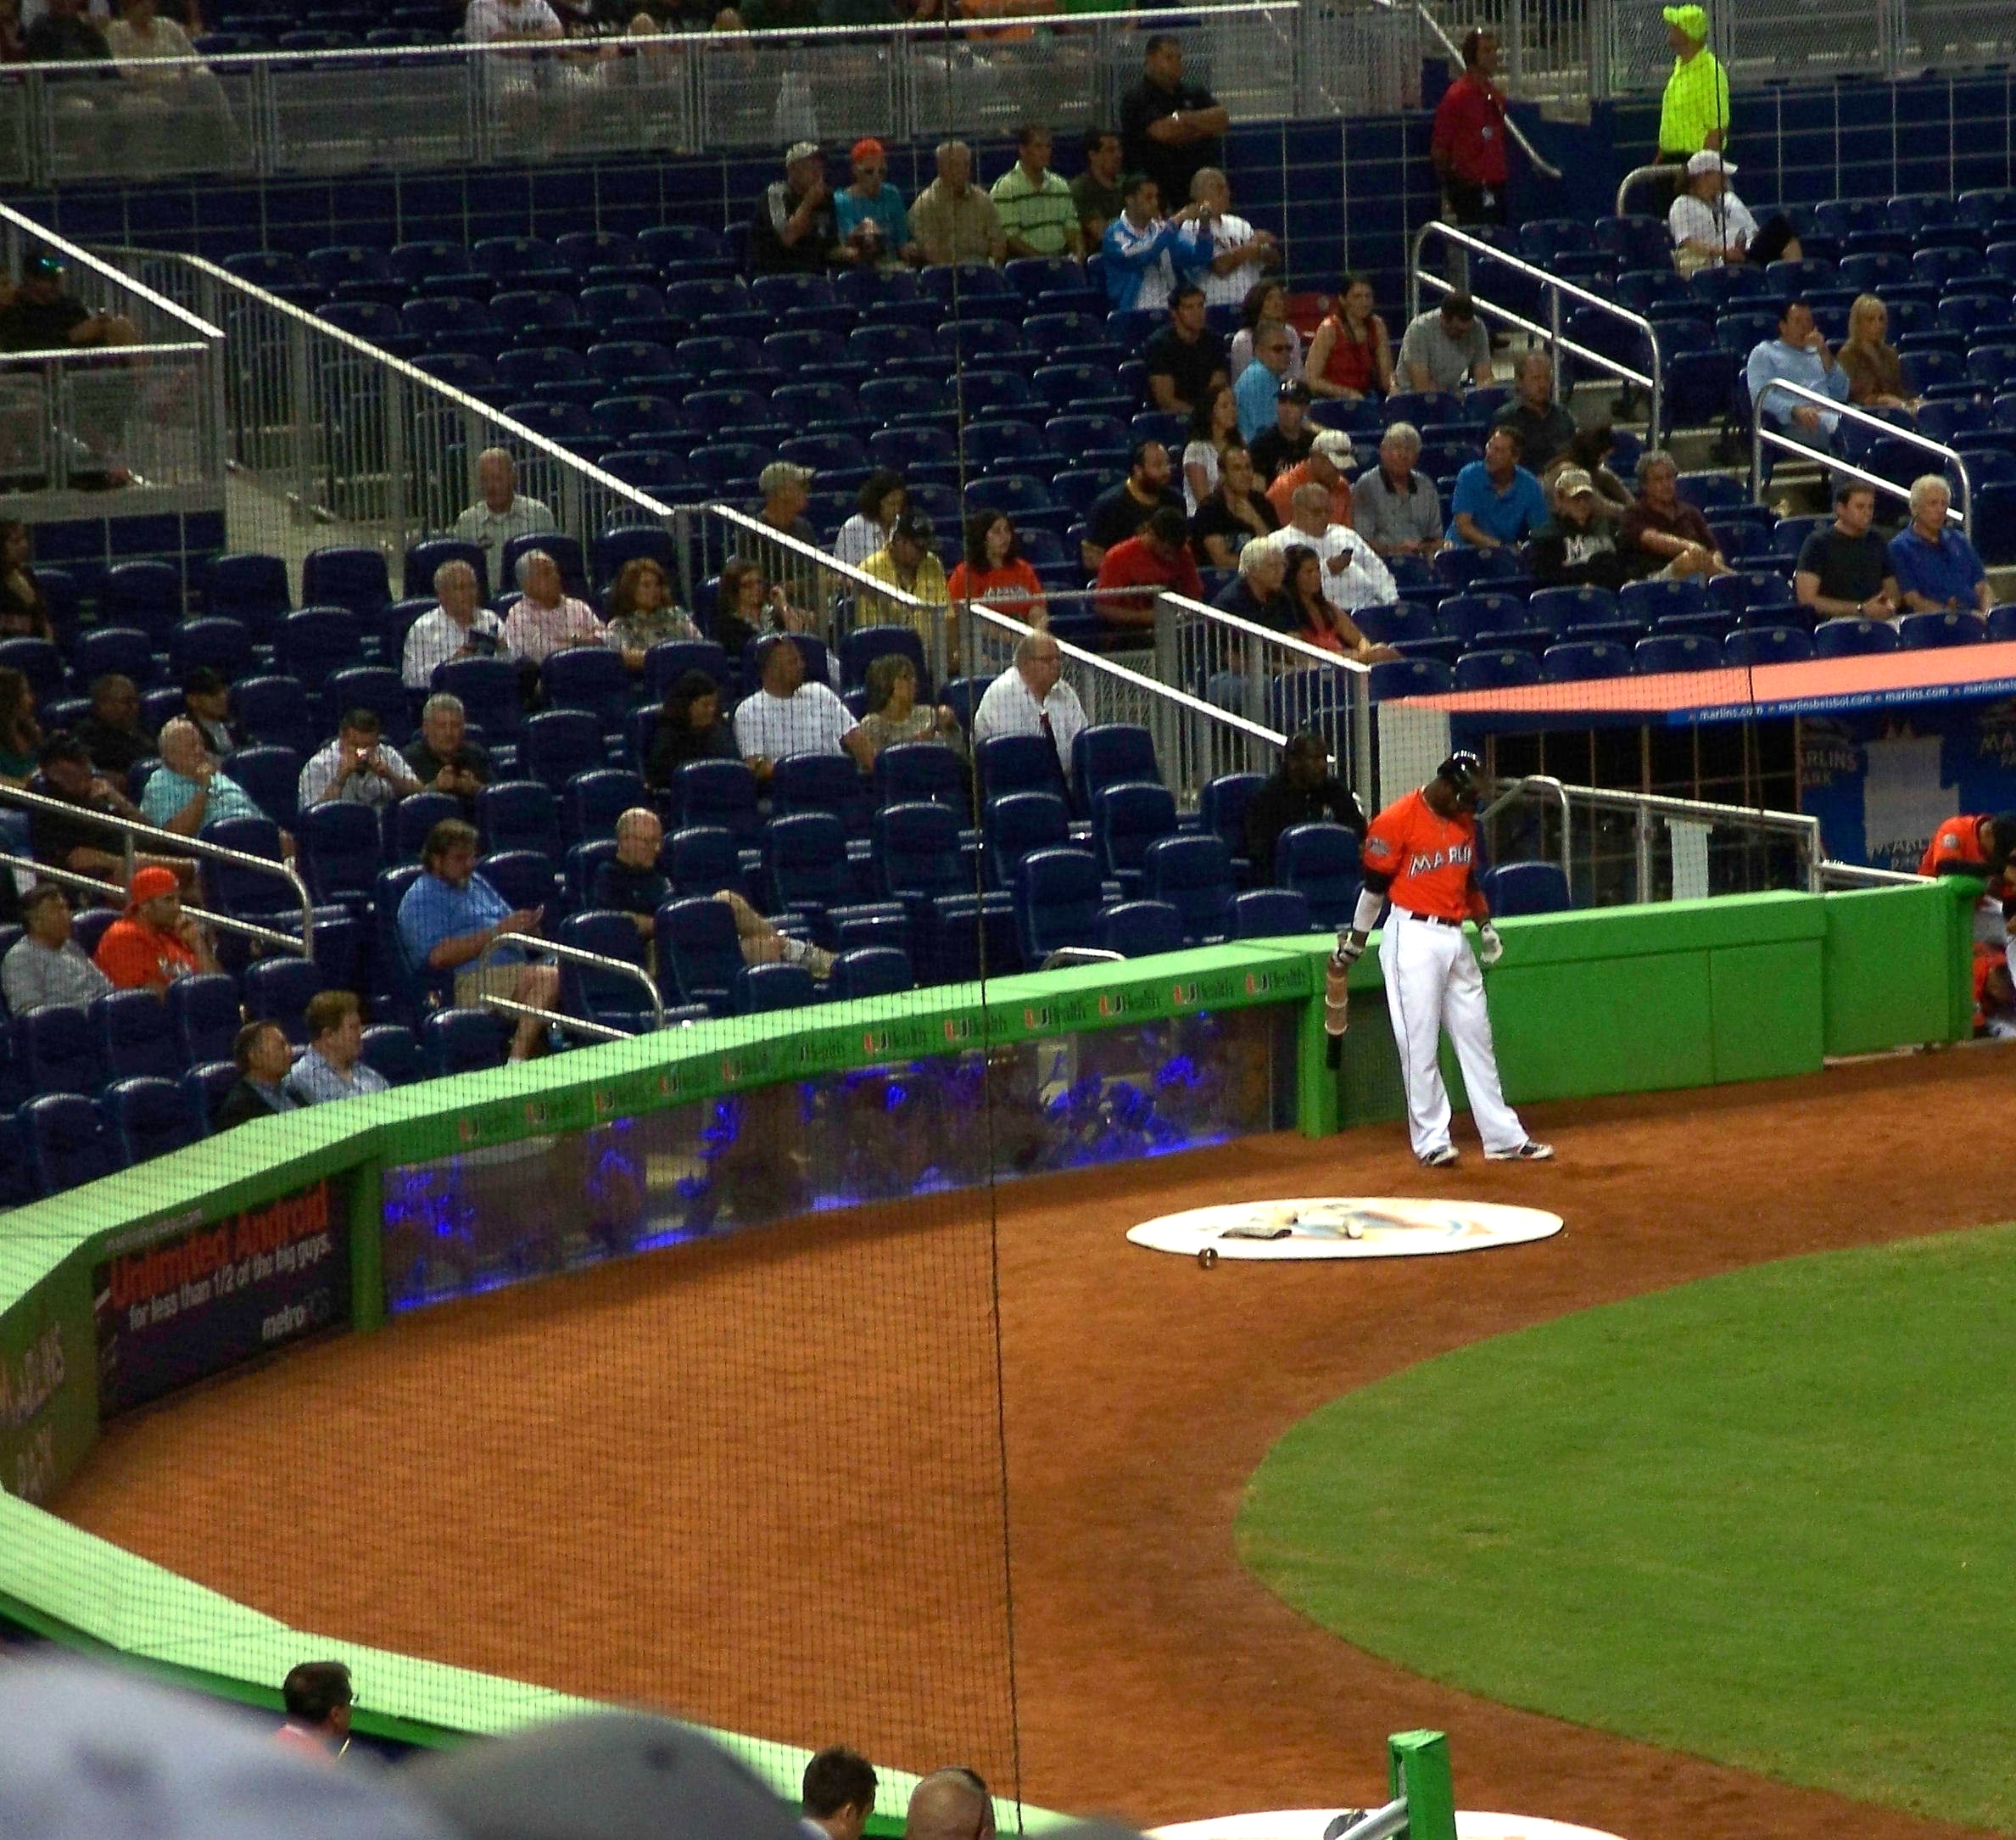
pixel 1432 983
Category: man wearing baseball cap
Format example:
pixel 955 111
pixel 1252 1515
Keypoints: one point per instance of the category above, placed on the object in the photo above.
pixel 1289 441
pixel 153 942
pixel 1330 465
pixel 1711 226
pixel 1695 112
pixel 794 230
pixel 869 211
pixel 43 317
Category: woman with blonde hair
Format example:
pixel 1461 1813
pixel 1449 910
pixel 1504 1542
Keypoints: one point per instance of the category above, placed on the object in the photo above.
pixel 1875 378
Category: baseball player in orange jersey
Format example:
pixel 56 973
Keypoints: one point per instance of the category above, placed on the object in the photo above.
pixel 1420 852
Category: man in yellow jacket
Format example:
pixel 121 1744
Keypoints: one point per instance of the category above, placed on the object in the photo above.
pixel 1695 112
pixel 908 562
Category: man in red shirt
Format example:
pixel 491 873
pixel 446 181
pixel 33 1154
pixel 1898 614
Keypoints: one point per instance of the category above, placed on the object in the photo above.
pixel 153 942
pixel 1158 557
pixel 1972 847
pixel 1468 145
pixel 1422 852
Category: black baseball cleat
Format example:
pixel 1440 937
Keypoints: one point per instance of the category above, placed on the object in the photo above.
pixel 1530 1151
pixel 1441 1159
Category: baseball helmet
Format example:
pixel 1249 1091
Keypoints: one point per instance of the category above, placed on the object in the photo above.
pixel 1465 775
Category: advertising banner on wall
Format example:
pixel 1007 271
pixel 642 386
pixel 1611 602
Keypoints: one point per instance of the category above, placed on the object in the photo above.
pixel 178 1301
pixel 1881 785
pixel 47 1420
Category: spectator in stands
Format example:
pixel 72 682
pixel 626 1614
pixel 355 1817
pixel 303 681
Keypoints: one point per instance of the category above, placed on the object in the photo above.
pixel 1032 699
pixel 1351 355
pixel 1146 257
pixel 1037 213
pixel 1240 254
pixel 1331 459
pixel 1845 570
pixel 1157 557
pixel 631 882
pixel 1096 191
pixel 895 714
pixel 1185 359
pixel 20 733
pixel 112 732
pixel 800 583
pixel 77 844
pixel 139 37
pixel 547 618
pixel 24 613
pixel 1233 515
pixel 45 968
pixel 868 211
pixel 786 716
pixel 1577 549
pixel 1875 376
pixel 1266 304
pixel 838 1794
pixel 206 701
pixel 1288 443
pixel 1257 395
pixel 1169 130
pixel 1994 993
pixel 1214 426
pixel 62 34
pixel 332 1066
pixel 41 316
pixel 153 942
pixel 1395 506
pixel 794 229
pixel 642 612
pixel 188 790
pixel 1544 426
pixel 458 627
pixel 689 728
pixel 1797 354
pixel 499 513
pixel 881 501
pixel 1260 592
pixel 952 220
pixel 1936 567
pixel 1589 452
pixel 1694 112
pixel 1301 790
pixel 448 917
pixel 264 1058
pixel 443 758
pixel 317 1697
pixel 1117 514
pixel 1711 226
pixel 1466 146
pixel 359 767
pixel 748 603
pixel 907 562
pixel 1662 536
pixel 993 573
pixel 1446 350
pixel 510 22
pixel 1353 575
pixel 1497 500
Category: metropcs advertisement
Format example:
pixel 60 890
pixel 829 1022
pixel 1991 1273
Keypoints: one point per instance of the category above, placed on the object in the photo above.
pixel 180 1301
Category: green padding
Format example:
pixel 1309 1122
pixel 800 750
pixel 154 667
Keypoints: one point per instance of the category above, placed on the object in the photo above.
pixel 1767 1009
pixel 1671 926
pixel 1896 966
pixel 1614 1025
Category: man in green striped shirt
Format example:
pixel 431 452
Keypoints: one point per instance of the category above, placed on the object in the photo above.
pixel 1035 205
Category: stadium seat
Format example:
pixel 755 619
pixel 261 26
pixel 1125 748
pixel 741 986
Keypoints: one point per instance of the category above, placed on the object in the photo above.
pixel 1516 888
pixel 1140 929
pixel 204 1088
pixel 489 691
pixel 1579 660
pixel 1410 677
pixel 68 1141
pixel 1056 896
pixel 519 814
pixel 204 1013
pixel 148 595
pixel 149 1117
pixel 60 1051
pixel 758 988
pixel 278 989
pixel 871 972
pixel 1497 670
pixel 1852 637
pixel 1193 874
pixel 720 792
pixel 1126 819
pixel 911 770
pixel 830 783
pixel 1107 753
pixel 341 853
pixel 392 1052
pixel 136 1036
pixel 39 661
pixel 525 878
pixel 700 954
pixel 464 1040
pixel 346 577
pixel 1019 763
pixel 599 996
pixel 1929 632
pixel 1270 914
pixel 1319 862
pixel 426 557
pixel 805 863
pixel 410 821
pixel 556 744
pixel 595 800
pixel 1221 810
pixel 1767 644
pixel 1674 652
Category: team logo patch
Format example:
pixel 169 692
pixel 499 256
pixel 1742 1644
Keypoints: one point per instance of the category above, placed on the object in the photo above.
pixel 1351 1226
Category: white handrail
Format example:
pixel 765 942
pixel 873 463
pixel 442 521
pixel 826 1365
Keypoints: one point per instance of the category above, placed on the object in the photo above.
pixel 20 226
pixel 575 955
pixel 69 878
pixel 1760 435
pixel 1556 288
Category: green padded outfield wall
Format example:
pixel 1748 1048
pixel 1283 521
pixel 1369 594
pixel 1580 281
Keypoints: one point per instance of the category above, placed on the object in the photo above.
pixel 1618 1000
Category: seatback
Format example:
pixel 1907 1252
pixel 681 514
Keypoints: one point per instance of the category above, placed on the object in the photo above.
pixel 149 1116
pixel 204 1013
pixel 1126 818
pixel 1057 902
pixel 1319 862
pixel 136 1036
pixel 518 814
pixel 69 1142
pixel 1017 823
pixel 278 989
pixel 341 850
pixel 1194 873
pixel 463 1041
pixel 916 849
pixel 699 953
pixel 805 859
pixel 1270 914
pixel 1108 753
pixel 1516 888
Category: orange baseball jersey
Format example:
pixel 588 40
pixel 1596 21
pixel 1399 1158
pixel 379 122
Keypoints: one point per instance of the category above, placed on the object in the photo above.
pixel 1955 845
pixel 1432 860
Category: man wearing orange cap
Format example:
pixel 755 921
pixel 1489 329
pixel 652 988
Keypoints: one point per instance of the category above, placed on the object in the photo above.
pixel 153 942
pixel 870 212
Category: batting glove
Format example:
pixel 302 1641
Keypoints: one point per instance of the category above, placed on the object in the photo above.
pixel 1490 948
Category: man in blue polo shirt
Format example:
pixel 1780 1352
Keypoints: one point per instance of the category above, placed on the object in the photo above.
pixel 450 915
pixel 1936 565
pixel 1497 501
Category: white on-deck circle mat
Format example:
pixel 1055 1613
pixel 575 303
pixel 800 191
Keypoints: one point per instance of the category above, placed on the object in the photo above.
pixel 1308 1823
pixel 1343 1226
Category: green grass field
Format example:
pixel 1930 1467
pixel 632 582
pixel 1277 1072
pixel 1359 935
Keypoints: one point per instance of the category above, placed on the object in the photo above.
pixel 1768 1518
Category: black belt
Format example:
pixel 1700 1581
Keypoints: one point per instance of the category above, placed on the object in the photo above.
pixel 1430 919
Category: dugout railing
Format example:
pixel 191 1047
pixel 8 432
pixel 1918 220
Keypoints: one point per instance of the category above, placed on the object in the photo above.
pixel 1951 461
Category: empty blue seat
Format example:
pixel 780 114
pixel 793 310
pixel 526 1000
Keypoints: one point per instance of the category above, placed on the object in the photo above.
pixel 1928 632
pixel 1319 862
pixel 1580 659
pixel 1194 873
pixel 489 691
pixel 1516 888
pixel 347 576
pixel 1221 809
pixel 1852 637
pixel 149 1116
pixel 1057 897
pixel 910 770
pixel 805 861
pixel 61 1051
pixel 136 1036
pixel 204 1013
pixel 720 792
pixel 1270 914
pixel 1019 763
pixel 1018 823
pixel 591 678
pixel 342 853
pixel 1410 677
pixel 455 1041
pixel 67 1142
pixel 203 1089
pixel 148 595
pixel 277 990
pixel 758 988
pixel 1107 753
pixel 829 783
pixel 1767 645
pixel 1140 929
pixel 917 850
pixel 1126 819
pixel 519 814
pixel 313 645
pixel 556 744
pixel 595 800
pixel 871 972
pixel 1497 670
pixel 1674 652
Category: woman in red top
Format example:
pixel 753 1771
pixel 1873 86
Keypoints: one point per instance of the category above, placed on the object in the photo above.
pixel 1351 356
pixel 992 571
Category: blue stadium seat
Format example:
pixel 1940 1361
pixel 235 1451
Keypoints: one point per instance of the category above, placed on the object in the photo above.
pixel 1995 525
pixel 1582 659
pixel 148 595
pixel 1319 862
pixel 1140 929
pixel 910 770
pixel 463 1041
pixel 871 972
pixel 1410 677
pixel 342 853
pixel 720 792
pixel 1767 645
pixel 519 814
pixel 149 1117
pixel 136 1035
pixel 121 650
pixel 1019 763
pixel 1016 824
pixel 410 821
pixel 1516 888
pixel 68 1141
pixel 700 954
pixel 525 878
pixel 917 851
pixel 39 661
pixel 489 691
pixel 594 801
pixel 203 1012
pixel 249 587
pixel 277 989
pixel 829 783
pixel 1107 753
pixel 1674 652
pixel 1194 873
pixel 316 643
pixel 758 988
pixel 1056 898
pixel 861 647
pixel 609 998
pixel 1497 670
pixel 1851 638
pixel 1928 632
pixel 348 577
pixel 1270 914
pixel 203 1088
pixel 1221 809
pixel 556 744
pixel 591 678
pixel 1126 819
pixel 805 863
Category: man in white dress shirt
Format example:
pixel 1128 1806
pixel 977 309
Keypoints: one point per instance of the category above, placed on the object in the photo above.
pixel 1354 575
pixel 1032 699
pixel 547 618
pixel 501 511
pixel 459 627
pixel 788 716
pixel 1240 254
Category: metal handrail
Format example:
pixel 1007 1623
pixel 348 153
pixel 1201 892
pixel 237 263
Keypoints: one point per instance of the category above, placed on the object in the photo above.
pixel 1759 434
pixel 1637 175
pixel 1835 873
pixel 572 955
pixel 1542 783
pixel 174 843
pixel 1545 168
pixel 18 226
pixel 1552 332
pixel 1379 1823
pixel 69 878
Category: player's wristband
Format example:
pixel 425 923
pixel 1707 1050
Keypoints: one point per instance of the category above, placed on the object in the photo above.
pixel 1366 915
